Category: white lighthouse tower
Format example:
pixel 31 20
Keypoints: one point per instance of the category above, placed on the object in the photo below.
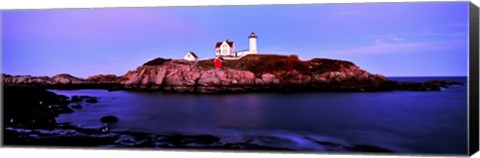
pixel 252 43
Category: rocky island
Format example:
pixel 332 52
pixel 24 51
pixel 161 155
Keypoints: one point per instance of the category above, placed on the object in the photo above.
pixel 251 73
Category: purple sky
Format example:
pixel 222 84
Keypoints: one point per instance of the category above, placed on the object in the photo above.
pixel 393 39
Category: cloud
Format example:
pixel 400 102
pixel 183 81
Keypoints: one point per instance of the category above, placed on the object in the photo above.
pixel 385 48
pixel 378 40
pixel 421 35
pixel 444 34
pixel 386 38
pixel 397 39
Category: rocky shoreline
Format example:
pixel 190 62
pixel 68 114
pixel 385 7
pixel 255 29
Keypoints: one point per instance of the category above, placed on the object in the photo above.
pixel 64 135
pixel 30 114
pixel 252 73
pixel 32 107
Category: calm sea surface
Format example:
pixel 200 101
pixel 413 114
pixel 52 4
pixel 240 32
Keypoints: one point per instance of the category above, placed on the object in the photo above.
pixel 403 121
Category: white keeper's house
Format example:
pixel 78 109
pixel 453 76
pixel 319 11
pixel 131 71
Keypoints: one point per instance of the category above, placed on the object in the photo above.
pixel 226 48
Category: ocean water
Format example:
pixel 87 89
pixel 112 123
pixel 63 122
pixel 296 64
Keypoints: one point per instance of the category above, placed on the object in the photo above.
pixel 402 121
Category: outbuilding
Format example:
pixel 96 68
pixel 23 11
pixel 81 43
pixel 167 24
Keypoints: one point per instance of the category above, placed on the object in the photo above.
pixel 217 63
pixel 190 56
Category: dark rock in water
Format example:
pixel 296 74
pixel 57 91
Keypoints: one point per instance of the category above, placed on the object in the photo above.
pixel 30 107
pixel 68 135
pixel 105 129
pixel 334 146
pixel 109 119
pixel 63 98
pixel 368 148
pixel 59 109
pixel 87 99
pixel 91 100
pixel 179 140
pixel 434 85
pixel 249 146
pixel 57 137
pixel 78 106
pixel 76 98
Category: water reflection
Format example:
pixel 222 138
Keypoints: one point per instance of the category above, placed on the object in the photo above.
pixel 414 121
pixel 242 111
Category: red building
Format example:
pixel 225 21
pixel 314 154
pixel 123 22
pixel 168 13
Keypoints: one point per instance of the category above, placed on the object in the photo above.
pixel 217 63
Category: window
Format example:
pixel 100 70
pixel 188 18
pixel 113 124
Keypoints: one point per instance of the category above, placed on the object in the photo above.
pixel 224 52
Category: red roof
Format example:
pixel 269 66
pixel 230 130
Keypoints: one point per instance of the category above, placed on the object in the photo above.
pixel 230 43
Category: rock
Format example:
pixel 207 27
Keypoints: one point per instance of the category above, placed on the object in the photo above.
pixel 26 79
pixel 259 81
pixel 226 77
pixel 276 81
pixel 63 97
pixel 258 72
pixel 85 97
pixel 91 100
pixel 369 148
pixel 105 128
pixel 180 140
pixel 250 73
pixel 75 98
pixel 181 74
pixel 109 119
pixel 209 78
pixel 157 61
pixel 434 85
pixel 268 78
pixel 30 107
pixel 78 106
pixel 109 78
pixel 62 109
pixel 67 79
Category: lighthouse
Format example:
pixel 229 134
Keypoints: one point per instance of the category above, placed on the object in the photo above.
pixel 226 48
pixel 252 43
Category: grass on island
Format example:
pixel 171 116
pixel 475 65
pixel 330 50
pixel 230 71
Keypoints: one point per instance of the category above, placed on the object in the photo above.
pixel 267 63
